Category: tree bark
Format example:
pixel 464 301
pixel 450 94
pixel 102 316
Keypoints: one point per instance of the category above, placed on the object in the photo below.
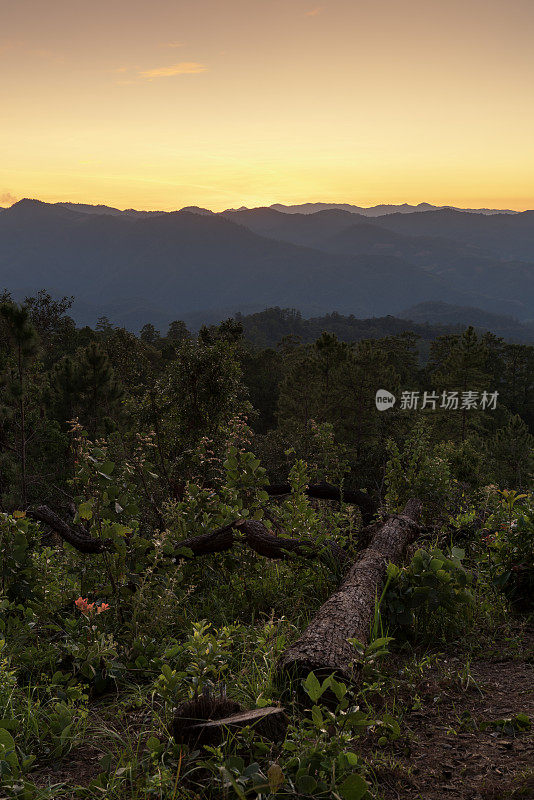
pixel 325 491
pixel 75 537
pixel 216 541
pixel 256 535
pixel 260 539
pixel 348 613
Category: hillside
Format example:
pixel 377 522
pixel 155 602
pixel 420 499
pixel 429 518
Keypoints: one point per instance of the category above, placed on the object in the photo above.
pixel 136 267
pixel 446 314
pixel 184 262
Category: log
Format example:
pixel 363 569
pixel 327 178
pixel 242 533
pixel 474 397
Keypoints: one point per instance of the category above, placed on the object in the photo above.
pixel 75 536
pixel 323 647
pixel 260 539
pixel 263 542
pixel 326 491
pixel 256 535
pixel 216 541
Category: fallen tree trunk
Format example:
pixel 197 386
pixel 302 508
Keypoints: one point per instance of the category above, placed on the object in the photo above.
pixel 256 535
pixel 74 536
pixel 263 542
pixel 216 541
pixel 347 614
pixel 260 539
pixel 325 491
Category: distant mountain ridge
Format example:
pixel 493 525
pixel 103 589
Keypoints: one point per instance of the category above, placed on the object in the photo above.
pixel 380 210
pixel 268 327
pixel 439 313
pixel 140 266
pixel 300 208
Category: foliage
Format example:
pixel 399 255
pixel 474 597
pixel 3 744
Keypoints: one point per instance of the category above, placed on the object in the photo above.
pixel 143 442
pixel 510 545
pixel 18 576
pixel 417 471
pixel 431 595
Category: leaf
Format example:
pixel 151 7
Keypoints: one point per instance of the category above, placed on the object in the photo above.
pixel 312 687
pixel 522 721
pixel 275 776
pixel 378 643
pixel 85 511
pixel 152 743
pixel 358 719
pixel 317 717
pixel 353 788
pixel 339 689
pixel 9 724
pixel 235 763
pixel 306 784
pixel 7 751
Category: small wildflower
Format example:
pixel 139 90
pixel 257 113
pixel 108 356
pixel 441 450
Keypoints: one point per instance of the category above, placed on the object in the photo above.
pixel 84 605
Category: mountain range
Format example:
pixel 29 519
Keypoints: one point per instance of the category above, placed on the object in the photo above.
pixel 139 266
pixel 380 210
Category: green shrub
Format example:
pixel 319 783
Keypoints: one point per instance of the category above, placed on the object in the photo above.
pixel 430 596
pixel 417 471
pixel 511 548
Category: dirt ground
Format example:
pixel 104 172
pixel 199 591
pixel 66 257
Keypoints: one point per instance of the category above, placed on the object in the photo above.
pixel 458 744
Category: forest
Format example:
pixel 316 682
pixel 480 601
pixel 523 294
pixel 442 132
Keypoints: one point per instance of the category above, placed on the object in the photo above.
pixel 225 573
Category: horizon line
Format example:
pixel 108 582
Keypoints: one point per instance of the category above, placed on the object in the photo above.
pixel 170 210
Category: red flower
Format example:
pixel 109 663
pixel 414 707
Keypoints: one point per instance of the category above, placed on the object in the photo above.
pixel 84 605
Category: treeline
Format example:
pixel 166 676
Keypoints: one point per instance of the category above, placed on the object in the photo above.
pixel 175 401
pixel 267 328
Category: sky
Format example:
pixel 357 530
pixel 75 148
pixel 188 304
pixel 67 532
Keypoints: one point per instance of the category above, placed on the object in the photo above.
pixel 223 103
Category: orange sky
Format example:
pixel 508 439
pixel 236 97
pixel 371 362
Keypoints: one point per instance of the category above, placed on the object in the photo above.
pixel 221 103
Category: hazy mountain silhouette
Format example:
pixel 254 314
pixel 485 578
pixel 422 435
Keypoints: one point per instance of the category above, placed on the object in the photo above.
pixel 163 265
pixel 489 258
pixel 446 314
pixel 508 235
pixel 380 210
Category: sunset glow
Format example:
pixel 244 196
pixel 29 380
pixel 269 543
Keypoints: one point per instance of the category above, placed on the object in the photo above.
pixel 202 102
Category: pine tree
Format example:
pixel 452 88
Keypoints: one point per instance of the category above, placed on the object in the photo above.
pixel 65 384
pixel 24 344
pixel 511 449
pixel 99 391
pixel 149 335
pixel 55 329
pixel 460 366
pixel 177 331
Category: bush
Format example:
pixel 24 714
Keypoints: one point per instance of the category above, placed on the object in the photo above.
pixel 511 549
pixel 417 471
pixel 430 596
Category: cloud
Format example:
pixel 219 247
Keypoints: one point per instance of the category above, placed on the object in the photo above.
pixel 183 68
pixel 314 11
pixel 7 199
pixel 172 44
